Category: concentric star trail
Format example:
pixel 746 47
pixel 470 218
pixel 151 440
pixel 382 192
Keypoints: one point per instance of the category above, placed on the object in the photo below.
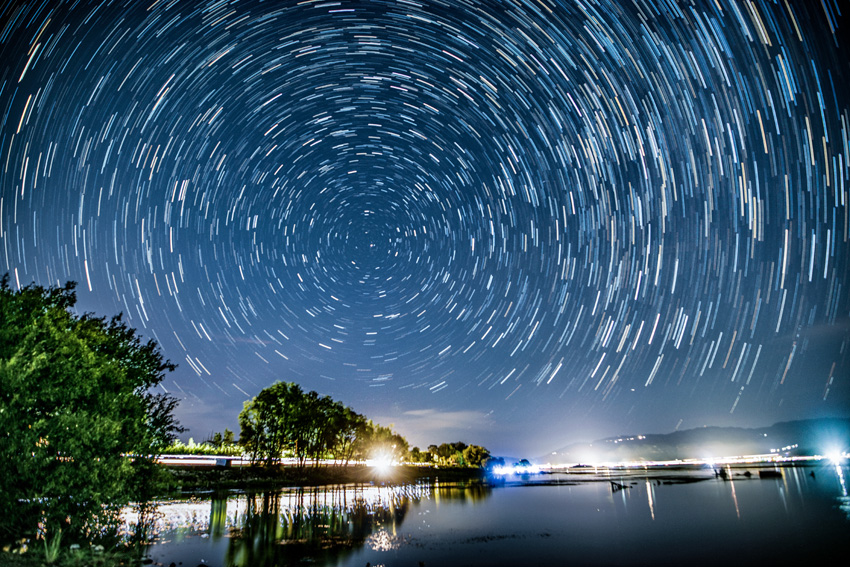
pixel 522 218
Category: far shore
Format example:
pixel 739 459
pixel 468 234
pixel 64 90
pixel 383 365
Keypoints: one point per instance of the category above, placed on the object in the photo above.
pixel 211 478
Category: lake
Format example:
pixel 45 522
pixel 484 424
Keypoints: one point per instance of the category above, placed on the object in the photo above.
pixel 643 517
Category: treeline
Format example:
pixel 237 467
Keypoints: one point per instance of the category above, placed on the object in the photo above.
pixel 284 420
pixel 457 454
pixel 218 444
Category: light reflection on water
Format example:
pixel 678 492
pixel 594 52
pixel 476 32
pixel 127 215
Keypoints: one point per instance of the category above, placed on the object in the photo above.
pixel 657 517
pixel 217 516
pixel 843 498
pixel 281 527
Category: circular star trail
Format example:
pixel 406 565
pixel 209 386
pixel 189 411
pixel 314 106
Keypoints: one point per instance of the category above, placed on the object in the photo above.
pixel 532 211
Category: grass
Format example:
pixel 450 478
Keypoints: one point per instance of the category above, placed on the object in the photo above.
pixel 72 556
pixel 52 548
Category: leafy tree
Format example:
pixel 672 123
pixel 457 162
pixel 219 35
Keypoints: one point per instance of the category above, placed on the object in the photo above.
pixel 456 454
pixel 339 427
pixel 283 419
pixel 269 422
pixel 79 424
pixel 307 428
pixel 434 452
pixel 475 455
pixel 447 453
pixel 221 439
pixel 387 443
pixel 352 429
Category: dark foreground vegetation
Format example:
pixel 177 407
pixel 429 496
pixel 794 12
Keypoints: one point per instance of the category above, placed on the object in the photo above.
pixel 79 424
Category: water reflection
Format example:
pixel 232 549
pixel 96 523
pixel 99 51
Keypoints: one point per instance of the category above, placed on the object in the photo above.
pixel 806 479
pixel 843 498
pixel 796 514
pixel 315 523
pixel 319 524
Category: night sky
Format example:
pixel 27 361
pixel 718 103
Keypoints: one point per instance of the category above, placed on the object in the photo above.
pixel 518 224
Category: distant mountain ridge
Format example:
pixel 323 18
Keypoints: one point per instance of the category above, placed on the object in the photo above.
pixel 792 438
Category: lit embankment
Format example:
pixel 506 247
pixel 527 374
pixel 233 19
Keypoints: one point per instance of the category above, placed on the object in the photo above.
pixel 769 458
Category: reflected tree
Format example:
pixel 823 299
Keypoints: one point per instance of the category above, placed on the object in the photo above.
pixel 315 524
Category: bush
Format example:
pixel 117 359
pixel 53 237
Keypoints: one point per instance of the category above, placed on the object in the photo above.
pixel 79 424
pixel 192 448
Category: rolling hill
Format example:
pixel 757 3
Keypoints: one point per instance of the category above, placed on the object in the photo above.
pixel 792 438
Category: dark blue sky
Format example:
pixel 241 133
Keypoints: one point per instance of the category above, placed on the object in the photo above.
pixel 518 224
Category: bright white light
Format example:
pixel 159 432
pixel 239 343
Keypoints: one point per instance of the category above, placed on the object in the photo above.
pixel 381 463
pixel 834 456
pixel 517 469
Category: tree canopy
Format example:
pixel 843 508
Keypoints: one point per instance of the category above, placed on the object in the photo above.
pixel 452 454
pixel 283 419
pixel 79 422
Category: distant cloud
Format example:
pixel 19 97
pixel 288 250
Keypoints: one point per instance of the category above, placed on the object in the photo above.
pixel 423 427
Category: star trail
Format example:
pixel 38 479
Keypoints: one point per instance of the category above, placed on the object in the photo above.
pixel 517 223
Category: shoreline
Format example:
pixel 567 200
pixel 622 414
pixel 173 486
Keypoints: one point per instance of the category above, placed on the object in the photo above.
pixel 190 479
pixel 185 480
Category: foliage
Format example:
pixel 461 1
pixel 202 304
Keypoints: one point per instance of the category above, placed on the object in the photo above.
pixel 219 439
pixel 284 420
pixel 207 448
pixel 457 454
pixel 268 422
pixel 385 442
pixel 475 455
pixel 51 550
pixel 75 402
pixel 72 556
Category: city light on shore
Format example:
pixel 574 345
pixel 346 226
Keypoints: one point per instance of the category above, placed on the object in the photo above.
pixel 763 459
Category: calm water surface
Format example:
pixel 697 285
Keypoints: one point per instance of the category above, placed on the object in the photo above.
pixel 658 519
